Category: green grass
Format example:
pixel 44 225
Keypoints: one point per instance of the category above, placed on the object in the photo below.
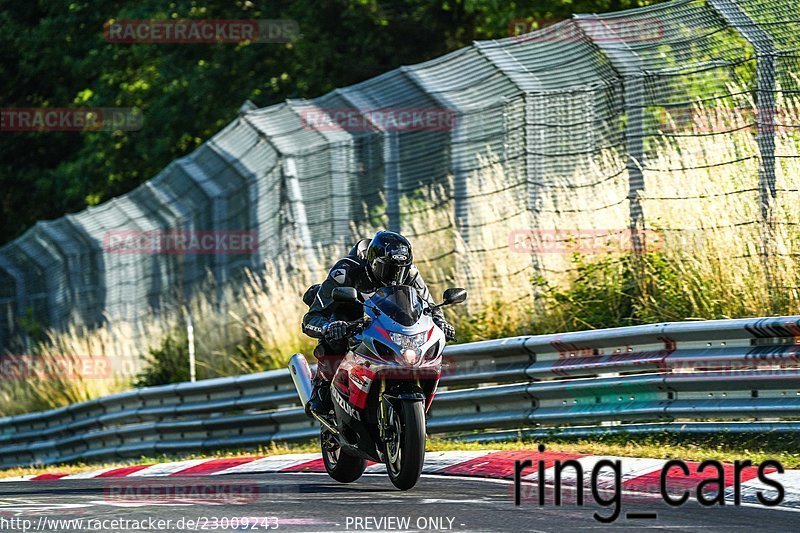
pixel 722 447
pixel 726 448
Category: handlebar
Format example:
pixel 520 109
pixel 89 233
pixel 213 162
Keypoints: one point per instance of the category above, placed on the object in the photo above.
pixel 357 326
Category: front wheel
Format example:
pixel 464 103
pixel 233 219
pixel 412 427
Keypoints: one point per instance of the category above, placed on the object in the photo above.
pixel 339 465
pixel 405 449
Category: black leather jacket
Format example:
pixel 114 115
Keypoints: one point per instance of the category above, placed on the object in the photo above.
pixel 352 271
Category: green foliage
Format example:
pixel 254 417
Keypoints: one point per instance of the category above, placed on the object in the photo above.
pixel 55 55
pixel 609 291
pixel 169 363
pixel 251 357
pixel 32 327
pixel 600 296
pixel 660 290
pixel 493 320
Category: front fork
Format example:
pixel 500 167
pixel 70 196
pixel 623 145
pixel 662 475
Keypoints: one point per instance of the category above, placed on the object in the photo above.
pixel 390 402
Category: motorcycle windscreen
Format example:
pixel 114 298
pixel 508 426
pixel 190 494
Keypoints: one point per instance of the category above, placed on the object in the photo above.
pixel 401 303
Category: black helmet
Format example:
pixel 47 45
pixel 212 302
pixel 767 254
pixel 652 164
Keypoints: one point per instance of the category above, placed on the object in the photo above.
pixel 389 257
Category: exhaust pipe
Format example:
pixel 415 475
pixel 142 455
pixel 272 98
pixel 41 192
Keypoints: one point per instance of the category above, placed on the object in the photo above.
pixel 301 376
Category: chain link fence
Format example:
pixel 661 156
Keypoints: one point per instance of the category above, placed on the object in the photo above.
pixel 658 117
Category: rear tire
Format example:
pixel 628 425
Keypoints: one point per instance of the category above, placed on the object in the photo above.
pixel 339 465
pixel 406 466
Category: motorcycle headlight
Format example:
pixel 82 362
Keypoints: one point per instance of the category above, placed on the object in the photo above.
pixel 409 342
pixel 410 357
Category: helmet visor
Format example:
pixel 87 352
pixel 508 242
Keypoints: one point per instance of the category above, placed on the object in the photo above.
pixel 389 272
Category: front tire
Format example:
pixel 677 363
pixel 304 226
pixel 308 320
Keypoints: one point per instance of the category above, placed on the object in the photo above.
pixel 406 451
pixel 339 465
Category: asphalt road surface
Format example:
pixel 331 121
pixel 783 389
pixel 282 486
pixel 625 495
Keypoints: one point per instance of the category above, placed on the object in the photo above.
pixel 313 502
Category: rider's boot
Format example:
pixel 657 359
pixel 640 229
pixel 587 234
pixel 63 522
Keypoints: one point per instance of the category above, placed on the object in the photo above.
pixel 320 400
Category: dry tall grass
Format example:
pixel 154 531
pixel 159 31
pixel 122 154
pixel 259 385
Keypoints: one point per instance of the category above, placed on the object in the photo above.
pixel 708 261
pixel 734 265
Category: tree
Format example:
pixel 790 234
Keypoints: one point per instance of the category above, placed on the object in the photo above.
pixel 54 54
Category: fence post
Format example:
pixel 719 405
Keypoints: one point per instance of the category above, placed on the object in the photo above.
pixel 339 149
pixel 391 161
pixel 20 299
pixel 218 204
pixel 298 211
pixel 341 193
pixel 526 83
pixel 764 46
pixel 459 163
pixel 534 138
pixel 629 65
pixel 391 156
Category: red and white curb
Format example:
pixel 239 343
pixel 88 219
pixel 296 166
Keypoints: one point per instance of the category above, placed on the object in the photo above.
pixel 639 475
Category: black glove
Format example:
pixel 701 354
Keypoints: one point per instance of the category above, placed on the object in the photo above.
pixel 335 330
pixel 447 328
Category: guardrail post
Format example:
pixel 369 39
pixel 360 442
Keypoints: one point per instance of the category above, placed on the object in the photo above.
pixel 190 342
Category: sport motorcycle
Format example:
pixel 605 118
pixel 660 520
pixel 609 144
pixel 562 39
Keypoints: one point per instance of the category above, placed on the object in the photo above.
pixel 384 385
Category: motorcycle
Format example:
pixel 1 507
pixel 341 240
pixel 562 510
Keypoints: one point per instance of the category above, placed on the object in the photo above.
pixel 383 387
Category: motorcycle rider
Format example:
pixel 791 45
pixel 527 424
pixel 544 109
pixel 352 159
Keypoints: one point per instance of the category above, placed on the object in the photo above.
pixel 384 260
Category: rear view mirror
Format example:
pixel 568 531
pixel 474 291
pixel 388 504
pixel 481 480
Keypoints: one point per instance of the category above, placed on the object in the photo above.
pixel 454 296
pixel 344 294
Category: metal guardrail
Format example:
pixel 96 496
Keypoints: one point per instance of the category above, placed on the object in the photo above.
pixel 725 375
